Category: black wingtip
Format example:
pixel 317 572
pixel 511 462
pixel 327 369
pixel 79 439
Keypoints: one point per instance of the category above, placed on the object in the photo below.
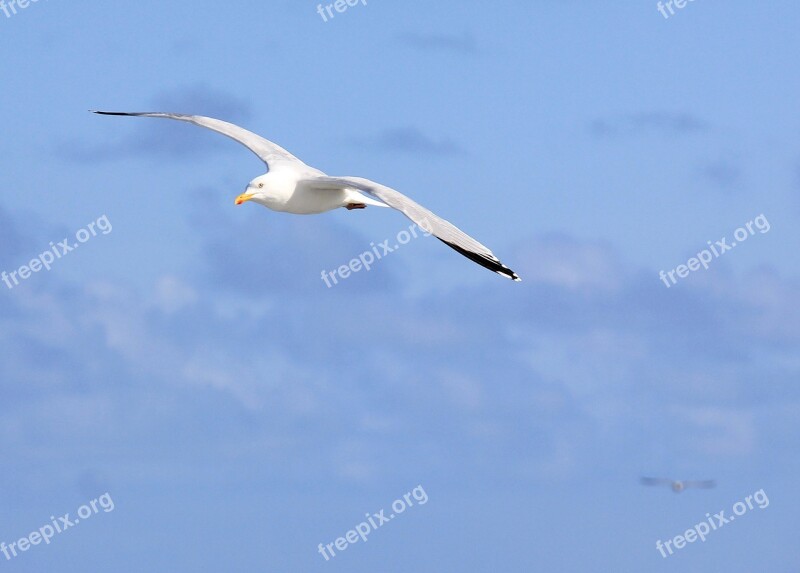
pixel 490 263
pixel 110 112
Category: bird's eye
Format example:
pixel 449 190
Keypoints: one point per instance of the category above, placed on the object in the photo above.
pixel 260 185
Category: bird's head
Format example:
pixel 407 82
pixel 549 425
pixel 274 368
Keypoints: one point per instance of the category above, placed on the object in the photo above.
pixel 255 190
pixel 678 486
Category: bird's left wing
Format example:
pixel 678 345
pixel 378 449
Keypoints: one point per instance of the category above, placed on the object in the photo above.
pixel 270 153
pixel 443 230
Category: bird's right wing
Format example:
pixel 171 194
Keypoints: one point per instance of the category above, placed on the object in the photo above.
pixel 270 153
pixel 431 223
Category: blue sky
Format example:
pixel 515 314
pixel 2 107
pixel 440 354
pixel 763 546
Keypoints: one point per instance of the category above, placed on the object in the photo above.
pixel 192 363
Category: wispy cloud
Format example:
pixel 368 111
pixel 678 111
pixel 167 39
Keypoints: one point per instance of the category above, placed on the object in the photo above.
pixel 666 123
pixel 587 342
pixel 410 140
pixel 724 173
pixel 565 262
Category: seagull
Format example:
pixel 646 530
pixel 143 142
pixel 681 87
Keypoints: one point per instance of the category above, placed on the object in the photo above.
pixel 291 186
pixel 678 486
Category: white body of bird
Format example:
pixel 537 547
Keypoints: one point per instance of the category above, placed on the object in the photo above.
pixel 284 190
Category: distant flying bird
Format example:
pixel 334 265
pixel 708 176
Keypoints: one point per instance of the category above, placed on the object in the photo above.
pixel 677 486
pixel 291 186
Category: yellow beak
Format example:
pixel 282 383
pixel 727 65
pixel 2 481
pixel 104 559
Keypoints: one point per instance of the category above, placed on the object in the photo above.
pixel 243 198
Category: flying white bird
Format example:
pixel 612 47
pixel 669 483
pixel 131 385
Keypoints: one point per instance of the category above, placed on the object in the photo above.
pixel 291 186
pixel 677 486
